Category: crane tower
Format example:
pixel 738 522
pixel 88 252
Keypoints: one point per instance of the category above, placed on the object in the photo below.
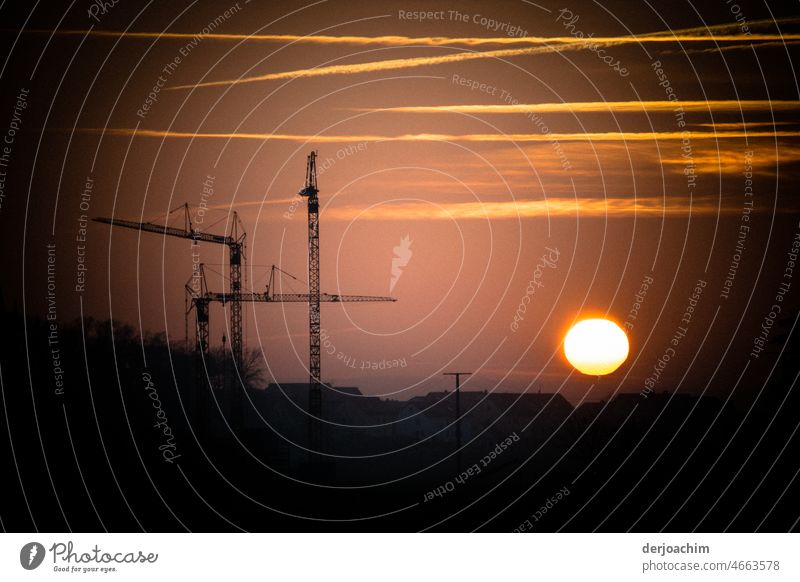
pixel 310 192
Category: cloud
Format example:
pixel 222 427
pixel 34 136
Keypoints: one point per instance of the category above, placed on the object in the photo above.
pixel 603 106
pixel 765 159
pixel 743 124
pixel 644 207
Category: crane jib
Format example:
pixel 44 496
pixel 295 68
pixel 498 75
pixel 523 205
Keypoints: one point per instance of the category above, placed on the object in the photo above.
pixel 200 297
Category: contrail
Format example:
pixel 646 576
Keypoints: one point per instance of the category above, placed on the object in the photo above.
pixel 550 46
pixel 386 65
pixel 438 137
pixel 542 45
pixel 764 22
pixel 730 47
pixel 398 40
pixel 601 106
pixel 413 62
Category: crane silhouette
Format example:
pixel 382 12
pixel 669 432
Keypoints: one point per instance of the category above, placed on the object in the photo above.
pixel 235 239
pixel 199 299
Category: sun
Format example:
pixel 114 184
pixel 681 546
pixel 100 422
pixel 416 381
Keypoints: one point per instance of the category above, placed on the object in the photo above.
pixel 596 346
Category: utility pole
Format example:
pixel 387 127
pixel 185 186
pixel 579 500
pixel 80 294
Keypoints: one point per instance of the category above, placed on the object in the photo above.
pixel 458 413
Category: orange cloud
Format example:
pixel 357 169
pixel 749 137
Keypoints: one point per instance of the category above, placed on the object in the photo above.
pixel 645 207
pixel 603 106
pixel 744 124
pixel 765 159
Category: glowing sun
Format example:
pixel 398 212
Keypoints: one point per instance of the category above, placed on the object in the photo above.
pixel 596 346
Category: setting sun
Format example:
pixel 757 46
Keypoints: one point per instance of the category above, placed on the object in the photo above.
pixel 596 346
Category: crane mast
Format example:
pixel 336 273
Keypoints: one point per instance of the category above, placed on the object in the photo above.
pixel 200 298
pixel 310 192
pixel 235 243
pixel 236 251
pixel 200 306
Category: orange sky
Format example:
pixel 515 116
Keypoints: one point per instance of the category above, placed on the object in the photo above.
pixel 484 150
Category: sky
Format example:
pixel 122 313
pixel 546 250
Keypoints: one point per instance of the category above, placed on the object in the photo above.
pixel 502 168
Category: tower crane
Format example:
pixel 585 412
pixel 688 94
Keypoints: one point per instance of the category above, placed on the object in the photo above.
pixel 199 298
pixel 235 241
pixel 310 192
